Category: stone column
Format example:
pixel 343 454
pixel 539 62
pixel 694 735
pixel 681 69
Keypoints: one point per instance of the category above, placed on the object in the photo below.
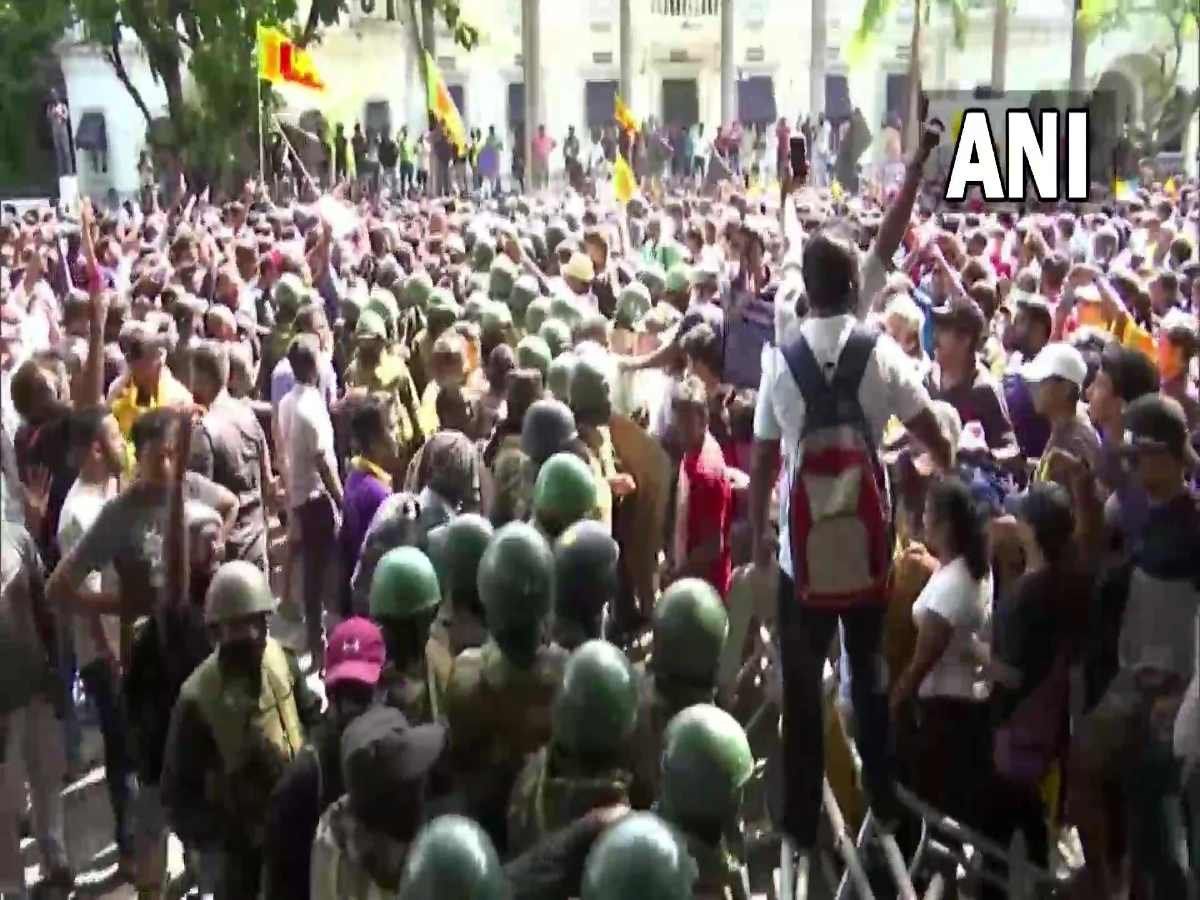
pixel 531 57
pixel 626 51
pixel 729 110
pixel 999 44
pixel 816 60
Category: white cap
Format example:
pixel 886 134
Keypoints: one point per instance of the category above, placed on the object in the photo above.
pixel 1057 360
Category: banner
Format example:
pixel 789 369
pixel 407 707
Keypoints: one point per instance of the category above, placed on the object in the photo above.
pixel 280 61
pixel 441 104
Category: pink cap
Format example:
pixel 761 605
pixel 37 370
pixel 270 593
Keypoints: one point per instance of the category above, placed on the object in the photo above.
pixel 355 652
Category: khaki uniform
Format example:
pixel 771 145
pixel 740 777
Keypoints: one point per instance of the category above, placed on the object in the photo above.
pixel 546 798
pixel 720 876
pixel 415 693
pixel 497 716
pixel 390 378
pixel 512 474
pixel 655 711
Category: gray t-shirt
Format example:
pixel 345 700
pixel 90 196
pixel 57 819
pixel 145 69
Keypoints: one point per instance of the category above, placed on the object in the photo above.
pixel 129 534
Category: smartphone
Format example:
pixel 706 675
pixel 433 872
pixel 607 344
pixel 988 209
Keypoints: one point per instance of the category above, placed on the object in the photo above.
pixel 799 154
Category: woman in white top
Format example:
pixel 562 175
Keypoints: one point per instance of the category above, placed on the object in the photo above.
pixel 951 739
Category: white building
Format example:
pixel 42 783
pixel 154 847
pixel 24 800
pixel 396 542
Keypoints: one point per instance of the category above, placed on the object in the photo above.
pixel 369 66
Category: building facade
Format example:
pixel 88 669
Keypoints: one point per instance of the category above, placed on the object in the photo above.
pixel 370 67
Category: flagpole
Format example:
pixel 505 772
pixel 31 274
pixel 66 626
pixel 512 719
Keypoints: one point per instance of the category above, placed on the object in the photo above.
pixel 259 114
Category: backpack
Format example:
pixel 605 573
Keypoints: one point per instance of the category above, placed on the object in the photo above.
pixel 839 514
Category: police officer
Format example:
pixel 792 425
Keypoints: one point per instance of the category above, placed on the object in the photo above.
pixel 564 493
pixel 706 764
pixel 453 857
pixel 404 600
pixel 585 582
pixel 581 769
pixel 239 721
pixel 455 550
pixel 499 698
pixel 547 428
pixel 640 856
pixel 689 626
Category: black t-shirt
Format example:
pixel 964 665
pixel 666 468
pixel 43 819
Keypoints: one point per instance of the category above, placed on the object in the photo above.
pixel 387 153
pixel 48 445
pixel 360 147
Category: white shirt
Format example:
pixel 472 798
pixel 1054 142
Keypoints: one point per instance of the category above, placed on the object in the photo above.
pixel 889 387
pixel 966 604
pixel 307 430
pixel 80 510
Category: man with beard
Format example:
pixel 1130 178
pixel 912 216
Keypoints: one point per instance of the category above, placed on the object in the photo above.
pixel 238 723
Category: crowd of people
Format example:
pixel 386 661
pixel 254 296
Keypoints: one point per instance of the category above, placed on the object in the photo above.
pixel 478 546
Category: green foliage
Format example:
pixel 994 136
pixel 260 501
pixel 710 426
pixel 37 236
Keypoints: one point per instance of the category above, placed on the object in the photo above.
pixel 876 14
pixel 28 32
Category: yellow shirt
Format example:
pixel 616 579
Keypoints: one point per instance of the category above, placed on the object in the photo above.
pixel 126 410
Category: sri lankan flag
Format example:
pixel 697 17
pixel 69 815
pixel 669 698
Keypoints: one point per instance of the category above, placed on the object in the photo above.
pixel 281 61
pixel 624 116
pixel 441 104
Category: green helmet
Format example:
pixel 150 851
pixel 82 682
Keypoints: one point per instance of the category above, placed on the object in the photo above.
pixel 477 283
pixel 585 570
pixel 516 580
pixel 690 627
pixel 502 277
pixel 706 763
pixel 443 311
pixel 289 294
pixel 452 858
pixel 565 309
pixel 532 353
pixel 456 549
pixel 557 335
pixel 564 493
pixel 679 279
pixel 559 375
pixel 384 302
pixel 596 707
pixel 404 585
pixel 653 277
pixel 536 313
pixel 632 305
pixel 525 291
pixel 473 309
pixel 673 253
pixel 417 289
pixel 238 589
pixel 591 392
pixel 548 427
pixel 482 254
pixel 371 325
pixel 496 322
pixel 640 856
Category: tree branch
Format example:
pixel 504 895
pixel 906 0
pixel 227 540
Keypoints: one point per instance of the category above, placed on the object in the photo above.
pixel 113 54
pixel 314 22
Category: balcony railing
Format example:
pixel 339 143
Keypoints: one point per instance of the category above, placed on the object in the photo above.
pixel 685 9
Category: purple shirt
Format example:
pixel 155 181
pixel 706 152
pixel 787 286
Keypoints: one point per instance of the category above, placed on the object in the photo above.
pixel 1033 430
pixel 361 496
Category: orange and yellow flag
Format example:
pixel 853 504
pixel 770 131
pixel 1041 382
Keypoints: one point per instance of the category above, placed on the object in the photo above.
pixel 280 61
pixel 624 182
pixel 624 116
pixel 441 104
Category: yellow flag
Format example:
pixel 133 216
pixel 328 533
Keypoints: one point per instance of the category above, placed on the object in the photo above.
pixel 836 191
pixel 280 61
pixel 441 104
pixel 623 181
pixel 624 116
pixel 270 40
pixel 1170 188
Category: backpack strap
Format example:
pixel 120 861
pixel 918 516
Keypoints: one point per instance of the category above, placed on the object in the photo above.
pixel 828 403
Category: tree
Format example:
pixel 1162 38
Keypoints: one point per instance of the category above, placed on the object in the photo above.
pixel 876 15
pixel 1167 107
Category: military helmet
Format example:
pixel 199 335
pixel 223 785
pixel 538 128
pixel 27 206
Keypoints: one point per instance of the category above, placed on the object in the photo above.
pixel 503 275
pixel 238 589
pixel 548 427
pixel 417 289
pixel 516 578
pixel 483 253
pixel 289 294
pixel 452 858
pixel 591 390
pixel 477 283
pixel 640 856
pixel 679 279
pixel 690 627
pixel 565 309
pixel 673 254
pixel 371 325
pixel 564 493
pixel 496 320
pixel 536 313
pixel 653 277
pixel 532 353
pixel 560 374
pixel 404 584
pixel 557 335
pixel 585 569
pixel 632 305
pixel 384 302
pixel 443 311
pixel 706 762
pixel 596 707
pixel 460 545
pixel 525 290
pixel 473 309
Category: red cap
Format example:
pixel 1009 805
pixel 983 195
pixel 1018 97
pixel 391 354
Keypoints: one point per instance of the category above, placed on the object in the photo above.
pixel 355 652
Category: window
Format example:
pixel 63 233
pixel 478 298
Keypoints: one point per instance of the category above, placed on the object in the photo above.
pixel 377 117
pixel 837 98
pixel 599 103
pixel 897 97
pixel 516 104
pixel 756 100
pixel 92 137
pixel 459 97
